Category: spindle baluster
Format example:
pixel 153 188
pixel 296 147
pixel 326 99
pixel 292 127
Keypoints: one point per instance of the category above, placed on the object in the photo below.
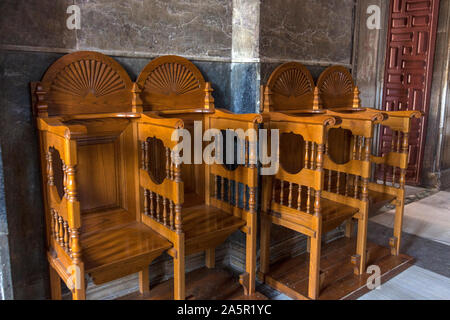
pixel 152 204
pixel 290 195
pixel 158 208
pixel 308 200
pixel 299 198
pixel 146 202
pixel 282 192
pixel 165 211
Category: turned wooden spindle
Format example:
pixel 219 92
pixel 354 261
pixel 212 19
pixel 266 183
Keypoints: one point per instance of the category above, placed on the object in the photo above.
pixel 178 218
pixel 216 186
pixel 64 178
pixel 167 163
pixel 171 166
pixel 229 191
pixel 158 208
pixel 282 192
pixel 367 149
pixel 61 231
pixel 299 198
pixel 355 194
pixel 52 223
pixel 41 105
pixel 317 207
pixel 152 204
pixel 360 147
pixel 165 213
pixel 365 190
pixel 146 202
pixel 404 149
pixel 76 246
pixel 355 139
pixel 252 200
pixel 50 174
pixel 66 236
pixel 72 195
pixel 306 154
pixel 146 155
pixel 312 163
pixel 209 99
pixel 172 215
pixel 143 154
pixel 290 195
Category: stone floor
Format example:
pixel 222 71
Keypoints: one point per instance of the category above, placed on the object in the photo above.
pixel 426 237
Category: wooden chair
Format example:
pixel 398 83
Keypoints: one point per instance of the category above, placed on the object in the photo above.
pixel 294 197
pixel 88 145
pixel 337 90
pixel 195 206
pixel 291 90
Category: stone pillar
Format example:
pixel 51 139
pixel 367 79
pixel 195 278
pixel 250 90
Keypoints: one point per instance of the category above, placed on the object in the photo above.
pixel 436 161
pixel 245 67
pixel 6 291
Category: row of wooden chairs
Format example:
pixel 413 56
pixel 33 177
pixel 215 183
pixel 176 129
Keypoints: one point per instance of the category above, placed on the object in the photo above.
pixel 116 199
pixel 344 186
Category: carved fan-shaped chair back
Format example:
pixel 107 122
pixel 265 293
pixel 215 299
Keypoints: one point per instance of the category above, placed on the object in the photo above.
pixel 336 88
pixel 292 88
pixel 171 82
pixel 84 83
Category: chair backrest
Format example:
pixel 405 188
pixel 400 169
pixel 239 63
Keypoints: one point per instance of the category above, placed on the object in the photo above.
pixel 297 194
pixel 173 83
pixel 290 87
pixel 160 175
pixel 83 82
pixel 337 89
pixel 232 187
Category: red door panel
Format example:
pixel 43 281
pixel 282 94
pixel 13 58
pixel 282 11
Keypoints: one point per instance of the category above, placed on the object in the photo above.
pixel 409 67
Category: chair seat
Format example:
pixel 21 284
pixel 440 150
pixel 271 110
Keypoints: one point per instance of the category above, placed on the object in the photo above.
pixel 334 213
pixel 111 251
pixel 379 199
pixel 206 226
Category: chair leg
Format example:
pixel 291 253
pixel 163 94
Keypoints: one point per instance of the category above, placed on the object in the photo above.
pixel 361 242
pixel 314 267
pixel 179 269
pixel 398 225
pixel 349 228
pixel 210 258
pixel 250 255
pixel 144 281
pixel 55 284
pixel 265 246
pixel 79 291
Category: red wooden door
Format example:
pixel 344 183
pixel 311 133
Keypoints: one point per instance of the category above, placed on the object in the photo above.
pixel 409 67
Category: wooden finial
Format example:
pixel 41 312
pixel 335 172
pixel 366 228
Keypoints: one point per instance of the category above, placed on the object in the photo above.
pixel 41 105
pixel 136 98
pixel 356 104
pixel 317 103
pixel 267 100
pixel 209 99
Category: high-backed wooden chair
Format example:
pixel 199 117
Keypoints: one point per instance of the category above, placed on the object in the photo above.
pixel 348 144
pixel 88 144
pixel 294 196
pixel 337 89
pixel 195 206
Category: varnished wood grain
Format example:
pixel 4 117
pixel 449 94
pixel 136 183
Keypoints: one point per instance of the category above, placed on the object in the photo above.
pixel 290 275
pixel 201 284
